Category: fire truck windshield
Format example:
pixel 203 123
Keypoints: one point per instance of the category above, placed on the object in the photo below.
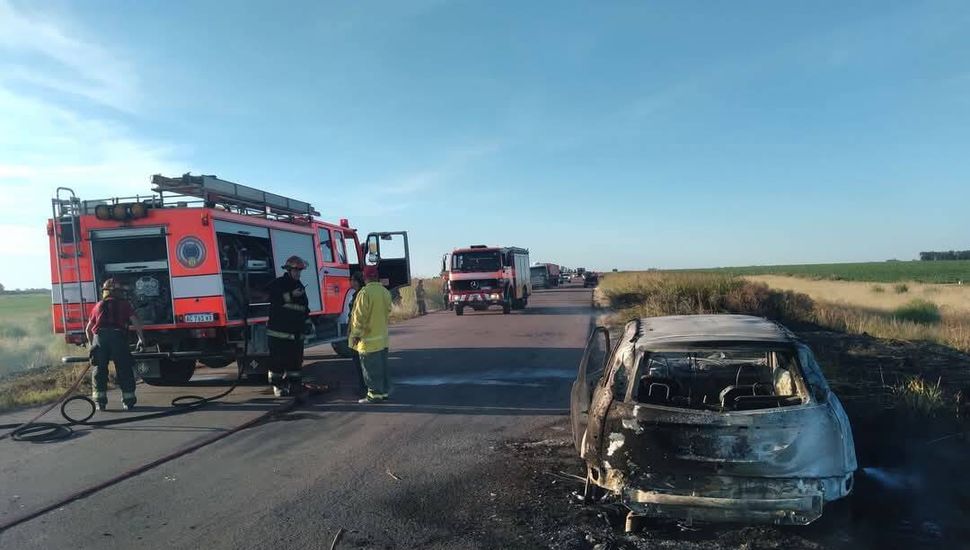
pixel 471 262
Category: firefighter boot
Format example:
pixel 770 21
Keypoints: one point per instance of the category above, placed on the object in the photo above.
pixel 293 382
pixel 280 388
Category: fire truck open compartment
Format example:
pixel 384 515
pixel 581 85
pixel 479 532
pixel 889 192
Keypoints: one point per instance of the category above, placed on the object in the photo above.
pixel 138 259
pixel 247 269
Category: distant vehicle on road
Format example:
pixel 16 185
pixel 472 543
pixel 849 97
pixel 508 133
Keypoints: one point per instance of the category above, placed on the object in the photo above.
pixel 711 418
pixel 539 276
pixel 483 276
pixel 544 275
pixel 590 279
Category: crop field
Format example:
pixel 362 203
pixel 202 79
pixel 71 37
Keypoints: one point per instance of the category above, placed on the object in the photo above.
pixel 878 272
pixel 26 340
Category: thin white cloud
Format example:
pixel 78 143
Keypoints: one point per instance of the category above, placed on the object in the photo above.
pixel 47 143
pixel 70 64
pixel 453 164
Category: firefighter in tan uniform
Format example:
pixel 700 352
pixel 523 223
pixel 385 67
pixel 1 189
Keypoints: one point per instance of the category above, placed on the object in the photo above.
pixel 288 314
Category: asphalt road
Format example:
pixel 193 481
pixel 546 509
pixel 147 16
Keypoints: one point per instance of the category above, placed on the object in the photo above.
pixel 421 471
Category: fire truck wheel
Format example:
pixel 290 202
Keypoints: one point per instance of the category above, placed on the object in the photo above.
pixel 459 310
pixel 173 372
pixel 507 306
pixel 342 349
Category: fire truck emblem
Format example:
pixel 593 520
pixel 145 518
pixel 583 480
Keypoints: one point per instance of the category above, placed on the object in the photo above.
pixel 473 284
pixel 190 252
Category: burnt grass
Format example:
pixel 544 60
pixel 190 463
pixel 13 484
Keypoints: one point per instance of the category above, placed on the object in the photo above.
pixel 911 489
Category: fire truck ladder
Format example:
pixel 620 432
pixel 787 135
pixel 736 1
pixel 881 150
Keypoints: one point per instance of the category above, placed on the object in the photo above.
pixel 234 197
pixel 66 210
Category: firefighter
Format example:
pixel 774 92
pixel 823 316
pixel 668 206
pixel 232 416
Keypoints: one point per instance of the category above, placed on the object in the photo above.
pixel 357 283
pixel 419 296
pixel 108 333
pixel 288 315
pixel 368 335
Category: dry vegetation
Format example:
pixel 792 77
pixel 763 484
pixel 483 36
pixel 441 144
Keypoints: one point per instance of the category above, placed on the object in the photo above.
pixel 30 369
pixel 636 294
pixel 905 311
pixel 908 318
pixel 407 306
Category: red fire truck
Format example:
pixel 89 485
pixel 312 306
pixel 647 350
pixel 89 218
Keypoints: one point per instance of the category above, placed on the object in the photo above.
pixel 196 256
pixel 483 276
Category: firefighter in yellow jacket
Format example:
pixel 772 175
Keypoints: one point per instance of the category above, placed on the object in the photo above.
pixel 368 335
pixel 288 314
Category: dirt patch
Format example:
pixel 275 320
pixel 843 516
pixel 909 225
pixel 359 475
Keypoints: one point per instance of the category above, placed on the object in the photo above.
pixel 910 490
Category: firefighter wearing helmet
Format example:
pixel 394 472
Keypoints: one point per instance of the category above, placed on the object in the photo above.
pixel 107 330
pixel 288 315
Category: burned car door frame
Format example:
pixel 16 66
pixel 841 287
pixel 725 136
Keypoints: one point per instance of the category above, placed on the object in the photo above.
pixel 581 396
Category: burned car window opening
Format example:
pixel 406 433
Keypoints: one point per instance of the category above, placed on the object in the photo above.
pixel 720 379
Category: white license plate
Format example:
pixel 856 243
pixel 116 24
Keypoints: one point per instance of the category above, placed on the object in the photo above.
pixel 199 317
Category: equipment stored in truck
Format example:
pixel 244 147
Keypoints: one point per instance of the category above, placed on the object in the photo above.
pixel 483 276
pixel 196 257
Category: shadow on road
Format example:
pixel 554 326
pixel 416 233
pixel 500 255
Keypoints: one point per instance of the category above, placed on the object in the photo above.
pixel 517 381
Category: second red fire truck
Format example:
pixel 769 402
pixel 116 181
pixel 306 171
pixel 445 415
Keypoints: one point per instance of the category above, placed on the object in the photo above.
pixel 196 256
pixel 483 276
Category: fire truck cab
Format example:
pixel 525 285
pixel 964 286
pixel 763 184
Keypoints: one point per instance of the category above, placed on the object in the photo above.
pixel 483 276
pixel 196 256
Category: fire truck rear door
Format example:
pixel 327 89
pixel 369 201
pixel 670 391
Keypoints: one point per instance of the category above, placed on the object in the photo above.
pixel 288 243
pixel 390 253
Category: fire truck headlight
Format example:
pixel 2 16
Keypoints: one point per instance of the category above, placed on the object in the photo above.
pixel 102 212
pixel 494 296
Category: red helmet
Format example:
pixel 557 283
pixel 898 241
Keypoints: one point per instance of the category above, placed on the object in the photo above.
pixel 370 272
pixel 294 262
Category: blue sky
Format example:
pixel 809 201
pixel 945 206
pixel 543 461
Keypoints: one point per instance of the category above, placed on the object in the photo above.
pixel 599 134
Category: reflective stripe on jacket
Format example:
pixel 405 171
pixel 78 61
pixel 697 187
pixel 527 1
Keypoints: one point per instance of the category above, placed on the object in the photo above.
pixel 368 321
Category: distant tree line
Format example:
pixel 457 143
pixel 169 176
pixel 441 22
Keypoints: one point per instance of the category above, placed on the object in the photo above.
pixel 4 290
pixel 944 255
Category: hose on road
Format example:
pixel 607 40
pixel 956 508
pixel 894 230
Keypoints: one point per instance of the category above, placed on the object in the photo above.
pixel 46 432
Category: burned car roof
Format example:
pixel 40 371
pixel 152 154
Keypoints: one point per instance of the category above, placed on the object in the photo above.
pixel 686 329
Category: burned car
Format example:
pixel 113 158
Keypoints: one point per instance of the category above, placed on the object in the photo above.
pixel 710 418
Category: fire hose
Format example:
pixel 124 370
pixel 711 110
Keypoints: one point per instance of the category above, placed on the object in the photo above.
pixel 41 432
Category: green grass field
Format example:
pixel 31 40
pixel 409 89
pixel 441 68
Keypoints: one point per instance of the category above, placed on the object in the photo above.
pixel 14 305
pixel 26 339
pixel 880 272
